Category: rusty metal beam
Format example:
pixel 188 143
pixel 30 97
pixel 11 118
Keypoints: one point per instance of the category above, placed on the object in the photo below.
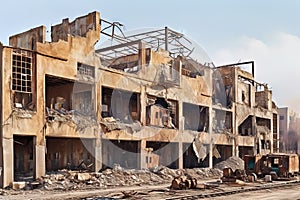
pixel 118 46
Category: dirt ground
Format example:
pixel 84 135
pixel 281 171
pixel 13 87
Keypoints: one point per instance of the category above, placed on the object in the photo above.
pixel 286 193
pixel 163 191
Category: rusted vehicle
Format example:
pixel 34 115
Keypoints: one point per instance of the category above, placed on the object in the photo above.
pixel 253 164
pixel 284 165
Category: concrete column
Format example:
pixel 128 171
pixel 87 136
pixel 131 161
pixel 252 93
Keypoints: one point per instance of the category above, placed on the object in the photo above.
pixel 142 154
pixel 254 134
pixel 98 99
pixel 180 155
pixel 235 132
pixel 39 146
pixel 272 135
pixel 7 174
pixel 181 134
pixel 211 164
pixel 98 154
pixel 210 158
pixel 235 147
pixel 143 99
pixel 142 54
pixel 181 118
pixel 259 145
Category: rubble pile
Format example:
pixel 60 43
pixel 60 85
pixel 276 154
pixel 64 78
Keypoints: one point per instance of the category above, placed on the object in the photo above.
pixel 109 124
pixel 116 177
pixel 73 118
pixel 233 162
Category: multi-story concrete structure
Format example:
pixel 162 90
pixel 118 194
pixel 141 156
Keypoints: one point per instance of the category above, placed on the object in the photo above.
pixel 66 105
pixel 289 129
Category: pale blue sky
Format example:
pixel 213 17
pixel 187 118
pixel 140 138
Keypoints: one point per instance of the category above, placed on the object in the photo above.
pixel 267 32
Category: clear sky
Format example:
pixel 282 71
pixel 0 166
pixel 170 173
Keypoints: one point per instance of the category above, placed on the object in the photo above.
pixel 267 32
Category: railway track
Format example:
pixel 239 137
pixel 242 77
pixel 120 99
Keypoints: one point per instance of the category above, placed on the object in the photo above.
pixel 235 191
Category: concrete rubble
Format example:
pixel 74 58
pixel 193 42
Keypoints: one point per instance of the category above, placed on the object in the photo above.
pixel 233 162
pixel 110 124
pixel 70 117
pixel 75 180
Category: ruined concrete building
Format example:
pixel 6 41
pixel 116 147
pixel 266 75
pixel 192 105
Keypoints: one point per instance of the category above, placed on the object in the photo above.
pixel 140 102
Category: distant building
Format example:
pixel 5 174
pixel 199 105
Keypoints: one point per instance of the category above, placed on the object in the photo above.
pixel 289 130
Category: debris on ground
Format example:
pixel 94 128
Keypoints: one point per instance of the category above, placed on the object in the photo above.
pixel 67 180
pixel 233 176
pixel 183 183
pixel 233 162
pixel 128 194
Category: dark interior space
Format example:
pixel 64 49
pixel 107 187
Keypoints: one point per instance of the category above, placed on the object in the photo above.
pixel 168 152
pixel 225 152
pixel 23 157
pixel 120 104
pixel 69 153
pixel 190 159
pixel 120 152
pixel 195 117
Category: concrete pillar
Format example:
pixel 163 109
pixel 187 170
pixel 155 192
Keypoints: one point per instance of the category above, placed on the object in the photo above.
pixel 181 118
pixel 39 146
pixel 98 154
pixel 254 134
pixel 142 154
pixel 142 54
pixel 181 134
pixel 143 99
pixel 180 155
pixel 7 174
pixel 259 144
pixel 235 132
pixel 211 164
pixel 272 135
pixel 210 120
pixel 235 147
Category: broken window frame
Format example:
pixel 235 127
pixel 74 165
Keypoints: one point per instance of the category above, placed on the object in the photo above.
pixel 23 84
pixel 84 100
pixel 134 98
pixel 222 121
pixel 85 70
pixel 70 97
pixel 171 108
pixel 246 127
pixel 203 110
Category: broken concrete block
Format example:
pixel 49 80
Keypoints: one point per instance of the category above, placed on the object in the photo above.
pixel 60 177
pixel 48 181
pixel 268 178
pixel 83 176
pixel 18 185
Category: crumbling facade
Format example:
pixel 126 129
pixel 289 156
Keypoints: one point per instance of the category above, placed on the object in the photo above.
pixel 134 103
